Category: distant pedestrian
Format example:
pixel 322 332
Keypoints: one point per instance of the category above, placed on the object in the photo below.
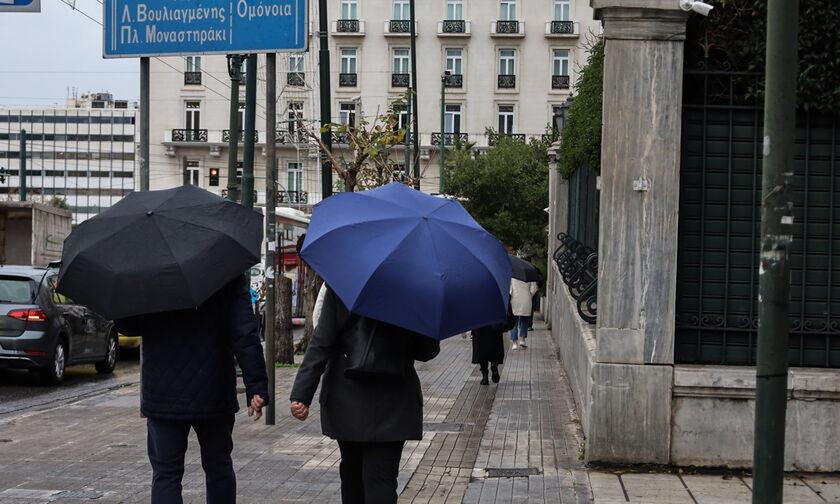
pixel 189 382
pixel 371 401
pixel 520 301
pixel 488 347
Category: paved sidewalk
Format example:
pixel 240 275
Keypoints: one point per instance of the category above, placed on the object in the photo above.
pixel 518 441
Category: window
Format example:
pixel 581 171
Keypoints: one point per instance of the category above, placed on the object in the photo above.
pixel 193 64
pixel 454 10
pixel 240 120
pixel 348 61
pixel 401 10
pixel 349 9
pixel 506 62
pixel 192 115
pixel 294 177
pixel 562 10
pixel 452 119
pixel 347 114
pixel 192 172
pixel 296 63
pixel 508 12
pixel 400 61
pixel 295 114
pixel 454 60
pixel 560 62
pixel 506 119
pixel 402 116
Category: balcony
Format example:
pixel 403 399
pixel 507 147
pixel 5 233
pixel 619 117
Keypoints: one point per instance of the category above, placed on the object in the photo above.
pixel 299 197
pixel 494 138
pixel 347 80
pixel 192 78
pixel 454 28
pixel 454 81
pixel 561 29
pixel 400 28
pixel 449 138
pixel 189 135
pixel 401 80
pixel 348 27
pixel 507 29
pixel 240 137
pixel 339 139
pixel 290 137
pixel 560 82
pixel 507 81
pixel 295 79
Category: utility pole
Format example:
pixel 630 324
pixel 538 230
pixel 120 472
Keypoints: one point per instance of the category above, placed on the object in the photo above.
pixel 248 141
pixel 407 138
pixel 443 77
pixel 23 165
pixel 776 238
pixel 270 224
pixel 234 67
pixel 326 108
pixel 144 123
pixel 413 98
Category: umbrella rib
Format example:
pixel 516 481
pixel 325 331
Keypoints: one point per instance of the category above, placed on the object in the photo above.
pixel 172 253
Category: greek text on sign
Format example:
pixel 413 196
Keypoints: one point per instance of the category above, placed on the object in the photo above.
pixel 178 27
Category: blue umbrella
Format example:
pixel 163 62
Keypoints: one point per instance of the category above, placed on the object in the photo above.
pixel 415 261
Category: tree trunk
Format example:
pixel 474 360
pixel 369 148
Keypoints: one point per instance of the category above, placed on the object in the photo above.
pixel 283 322
pixel 311 286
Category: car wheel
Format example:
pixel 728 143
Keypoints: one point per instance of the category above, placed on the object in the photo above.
pixel 54 374
pixel 107 364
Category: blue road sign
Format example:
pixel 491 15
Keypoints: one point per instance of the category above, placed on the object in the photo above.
pixel 135 28
pixel 20 5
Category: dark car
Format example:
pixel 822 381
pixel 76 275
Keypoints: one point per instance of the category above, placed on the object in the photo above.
pixel 43 330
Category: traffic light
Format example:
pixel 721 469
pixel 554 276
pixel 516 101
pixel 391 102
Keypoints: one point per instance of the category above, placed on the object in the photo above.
pixel 214 176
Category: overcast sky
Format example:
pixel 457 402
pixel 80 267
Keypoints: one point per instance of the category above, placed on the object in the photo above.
pixel 47 53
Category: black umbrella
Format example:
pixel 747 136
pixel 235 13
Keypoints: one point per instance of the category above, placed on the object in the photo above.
pixel 157 251
pixel 523 270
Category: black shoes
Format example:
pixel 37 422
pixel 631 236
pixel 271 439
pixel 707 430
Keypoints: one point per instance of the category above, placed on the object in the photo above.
pixel 495 371
pixel 484 378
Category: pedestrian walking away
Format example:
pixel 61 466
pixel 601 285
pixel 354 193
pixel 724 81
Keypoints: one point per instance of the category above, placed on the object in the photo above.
pixel 371 401
pixel 521 294
pixel 488 347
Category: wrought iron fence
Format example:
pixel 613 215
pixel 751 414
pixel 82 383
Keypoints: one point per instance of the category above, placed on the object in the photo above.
pixel 400 80
pixel 454 81
pixel 295 197
pixel 559 82
pixel 719 228
pixel 493 138
pixel 290 137
pixel 578 267
pixel 507 81
pixel 399 26
pixel 454 26
pixel 295 79
pixel 347 80
pixel 240 137
pixel 189 135
pixel 507 27
pixel 192 78
pixel 449 138
pixel 563 27
pixel 347 26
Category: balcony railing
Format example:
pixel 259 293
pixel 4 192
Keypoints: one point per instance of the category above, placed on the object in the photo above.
pixel 347 80
pixel 400 80
pixel 559 82
pixel 189 135
pixel 347 26
pixel 449 138
pixel 240 137
pixel 507 81
pixel 290 137
pixel 339 138
pixel 493 139
pixel 563 27
pixel 299 197
pixel 507 26
pixel 192 78
pixel 454 26
pixel 454 81
pixel 578 266
pixel 399 26
pixel 295 79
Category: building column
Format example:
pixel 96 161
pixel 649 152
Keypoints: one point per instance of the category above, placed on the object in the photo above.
pixel 637 250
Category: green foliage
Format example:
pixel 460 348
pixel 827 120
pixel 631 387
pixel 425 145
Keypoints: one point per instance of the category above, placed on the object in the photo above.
pixel 59 202
pixel 581 139
pixel 505 190
pixel 286 364
pixel 733 37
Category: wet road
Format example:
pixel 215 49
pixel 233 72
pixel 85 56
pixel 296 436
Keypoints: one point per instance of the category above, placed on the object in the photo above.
pixel 22 392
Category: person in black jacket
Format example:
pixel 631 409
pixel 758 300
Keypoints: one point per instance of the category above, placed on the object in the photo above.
pixel 488 346
pixel 189 381
pixel 370 406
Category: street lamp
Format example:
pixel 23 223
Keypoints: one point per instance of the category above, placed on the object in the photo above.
pixel 443 77
pixel 560 119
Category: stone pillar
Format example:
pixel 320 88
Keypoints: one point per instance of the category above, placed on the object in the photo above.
pixel 637 250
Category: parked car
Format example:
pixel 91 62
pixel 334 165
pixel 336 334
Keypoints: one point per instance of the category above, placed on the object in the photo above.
pixel 43 330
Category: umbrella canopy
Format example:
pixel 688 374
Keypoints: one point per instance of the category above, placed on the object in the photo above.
pixel 409 259
pixel 523 270
pixel 157 251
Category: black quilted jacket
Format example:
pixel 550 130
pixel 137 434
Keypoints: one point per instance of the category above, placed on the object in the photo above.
pixel 188 356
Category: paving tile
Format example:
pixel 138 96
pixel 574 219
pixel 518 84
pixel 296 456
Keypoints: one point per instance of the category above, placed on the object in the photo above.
pixel 716 489
pixel 655 488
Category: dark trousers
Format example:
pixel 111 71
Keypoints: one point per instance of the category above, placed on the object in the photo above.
pixel 369 472
pixel 167 444
pixel 483 366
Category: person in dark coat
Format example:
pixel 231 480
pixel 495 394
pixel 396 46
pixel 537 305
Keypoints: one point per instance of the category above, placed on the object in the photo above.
pixel 488 346
pixel 189 382
pixel 370 412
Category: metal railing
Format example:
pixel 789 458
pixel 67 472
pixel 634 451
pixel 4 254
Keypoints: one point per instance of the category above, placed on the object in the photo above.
pixel 290 137
pixel 578 267
pixel 560 82
pixel 347 26
pixel 454 81
pixel 449 138
pixel 493 138
pixel 507 27
pixel 299 197
pixel 400 80
pixel 399 26
pixel 226 136
pixel 189 135
pixel 192 78
pixel 507 81
pixel 295 79
pixel 347 79
pixel 454 26
pixel 563 27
